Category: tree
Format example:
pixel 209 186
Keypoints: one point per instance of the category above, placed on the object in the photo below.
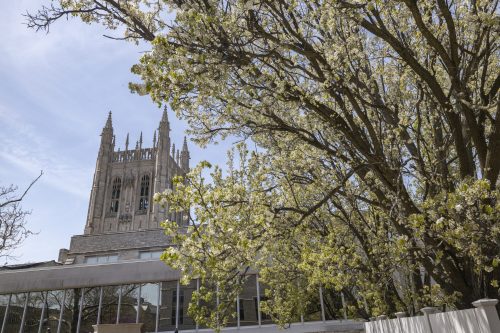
pixel 378 130
pixel 13 230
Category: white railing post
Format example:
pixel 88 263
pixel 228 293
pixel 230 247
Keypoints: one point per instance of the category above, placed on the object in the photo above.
pixel 370 326
pixel 400 316
pixel 428 311
pixel 381 324
pixel 487 315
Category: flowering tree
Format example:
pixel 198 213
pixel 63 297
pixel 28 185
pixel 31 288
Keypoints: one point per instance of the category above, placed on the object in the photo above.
pixel 378 130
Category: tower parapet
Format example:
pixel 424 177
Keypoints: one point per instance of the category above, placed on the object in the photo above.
pixel 125 181
pixel 134 155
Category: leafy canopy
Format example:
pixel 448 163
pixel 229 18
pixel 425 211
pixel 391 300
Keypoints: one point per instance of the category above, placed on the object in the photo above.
pixel 378 133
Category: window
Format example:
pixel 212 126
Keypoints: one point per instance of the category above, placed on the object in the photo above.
pixel 101 259
pixel 115 195
pixel 150 254
pixel 242 310
pixel 144 195
pixel 263 315
pixel 174 306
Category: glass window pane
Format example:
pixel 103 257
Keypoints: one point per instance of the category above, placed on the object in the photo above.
pixel 89 309
pixel 112 258
pixel 265 317
pixel 128 309
pixel 209 306
pixel 150 254
pixel 333 304
pixel 233 319
pixel 4 300
pixel 156 254
pixel 248 302
pixel 185 320
pixel 145 255
pixel 34 312
pixel 15 314
pixel 149 302
pixel 53 303
pixel 90 260
pixel 167 306
pixel 109 308
pixel 312 310
pixel 70 313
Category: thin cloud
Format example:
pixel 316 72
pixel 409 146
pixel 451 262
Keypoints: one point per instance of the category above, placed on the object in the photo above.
pixel 31 152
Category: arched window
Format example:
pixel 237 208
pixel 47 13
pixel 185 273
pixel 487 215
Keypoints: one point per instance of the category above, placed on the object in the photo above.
pixel 144 195
pixel 115 194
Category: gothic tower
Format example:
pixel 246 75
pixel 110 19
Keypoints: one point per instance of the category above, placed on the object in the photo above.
pixel 125 181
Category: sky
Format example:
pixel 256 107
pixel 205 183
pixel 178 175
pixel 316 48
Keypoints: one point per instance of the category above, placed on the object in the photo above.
pixel 56 90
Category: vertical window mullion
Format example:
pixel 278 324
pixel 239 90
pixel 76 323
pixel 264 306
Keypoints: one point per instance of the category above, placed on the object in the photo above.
pixel 23 319
pixel 80 310
pixel 238 311
pixel 61 312
pixel 6 314
pixel 177 300
pixel 119 305
pixel 259 317
pixel 217 305
pixel 198 299
pixel 42 314
pixel 321 303
pixel 138 305
pixel 99 308
pixel 158 299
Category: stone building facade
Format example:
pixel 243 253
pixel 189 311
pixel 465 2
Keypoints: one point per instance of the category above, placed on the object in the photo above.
pixel 122 221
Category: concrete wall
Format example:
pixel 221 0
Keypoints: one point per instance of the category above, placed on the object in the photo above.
pixel 81 244
pixel 78 276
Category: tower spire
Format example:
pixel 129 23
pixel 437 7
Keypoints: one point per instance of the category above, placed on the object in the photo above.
pixel 126 143
pixel 109 122
pixel 140 141
pixel 104 158
pixel 164 117
pixel 185 156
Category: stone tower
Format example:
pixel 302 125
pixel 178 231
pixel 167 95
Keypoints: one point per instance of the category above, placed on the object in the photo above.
pixel 125 181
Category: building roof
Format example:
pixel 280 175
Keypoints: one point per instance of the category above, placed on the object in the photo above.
pixel 30 265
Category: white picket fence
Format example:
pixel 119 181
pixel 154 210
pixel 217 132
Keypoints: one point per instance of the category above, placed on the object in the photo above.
pixel 482 319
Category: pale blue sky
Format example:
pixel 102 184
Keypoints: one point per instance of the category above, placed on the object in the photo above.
pixel 55 92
